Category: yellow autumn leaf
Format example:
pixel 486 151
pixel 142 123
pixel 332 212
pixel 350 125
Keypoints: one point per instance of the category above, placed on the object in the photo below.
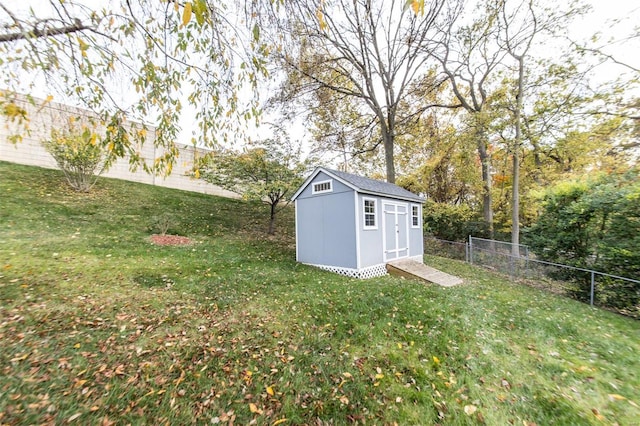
pixel 379 376
pixel 20 358
pixel 186 15
pixel 254 408
pixel 321 20
pixel 269 388
pixel 417 6
pixel 347 375
pixel 280 421
pixel 49 98
pixel 83 46
pixel 615 396
pixel 436 360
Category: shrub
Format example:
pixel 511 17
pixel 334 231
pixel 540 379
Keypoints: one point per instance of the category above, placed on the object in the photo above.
pixel 79 153
pixel 162 223
pixel 454 222
pixel 594 224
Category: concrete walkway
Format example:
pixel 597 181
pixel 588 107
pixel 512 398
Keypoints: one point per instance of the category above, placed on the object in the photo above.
pixel 415 270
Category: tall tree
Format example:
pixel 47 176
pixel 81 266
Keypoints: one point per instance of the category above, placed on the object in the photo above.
pixel 146 60
pixel 521 22
pixel 470 56
pixel 367 50
pixel 519 32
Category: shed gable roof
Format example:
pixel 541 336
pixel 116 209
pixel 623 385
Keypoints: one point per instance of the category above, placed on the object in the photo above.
pixel 363 185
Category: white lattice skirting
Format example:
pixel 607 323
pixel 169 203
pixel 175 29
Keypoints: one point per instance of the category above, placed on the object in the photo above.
pixel 362 273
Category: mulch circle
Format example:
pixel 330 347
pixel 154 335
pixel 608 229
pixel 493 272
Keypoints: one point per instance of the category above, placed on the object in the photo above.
pixel 170 240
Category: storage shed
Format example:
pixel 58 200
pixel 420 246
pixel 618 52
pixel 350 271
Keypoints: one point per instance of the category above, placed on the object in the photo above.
pixel 354 225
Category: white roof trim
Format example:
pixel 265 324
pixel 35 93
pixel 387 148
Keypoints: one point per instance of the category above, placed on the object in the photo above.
pixel 350 185
pixel 313 176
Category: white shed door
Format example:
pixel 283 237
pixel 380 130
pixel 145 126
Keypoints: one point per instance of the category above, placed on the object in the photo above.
pixel 395 230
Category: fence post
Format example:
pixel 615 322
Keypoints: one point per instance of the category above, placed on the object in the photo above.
pixel 470 250
pixel 593 285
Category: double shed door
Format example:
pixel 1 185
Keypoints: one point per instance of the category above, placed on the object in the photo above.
pixel 395 230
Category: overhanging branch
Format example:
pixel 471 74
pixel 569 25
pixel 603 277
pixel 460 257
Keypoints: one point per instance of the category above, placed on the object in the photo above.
pixel 47 32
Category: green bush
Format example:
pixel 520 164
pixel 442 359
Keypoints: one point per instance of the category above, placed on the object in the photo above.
pixel 594 224
pixel 79 153
pixel 454 222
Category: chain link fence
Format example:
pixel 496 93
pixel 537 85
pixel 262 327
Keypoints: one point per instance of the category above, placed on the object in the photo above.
pixel 444 248
pixel 589 286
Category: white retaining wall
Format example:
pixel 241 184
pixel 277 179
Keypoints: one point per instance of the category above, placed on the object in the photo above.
pixel 45 115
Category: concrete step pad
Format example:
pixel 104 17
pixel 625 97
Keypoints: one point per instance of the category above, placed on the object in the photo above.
pixel 416 270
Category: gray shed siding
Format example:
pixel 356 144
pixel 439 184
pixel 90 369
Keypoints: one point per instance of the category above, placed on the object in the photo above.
pixel 416 238
pixel 370 239
pixel 328 237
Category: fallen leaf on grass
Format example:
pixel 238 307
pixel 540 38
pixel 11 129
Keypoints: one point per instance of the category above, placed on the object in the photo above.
pixel 270 391
pixel 254 409
pixel 470 409
pixel 597 414
pixel 106 422
pixel 72 418
pixel 20 358
pixel 616 397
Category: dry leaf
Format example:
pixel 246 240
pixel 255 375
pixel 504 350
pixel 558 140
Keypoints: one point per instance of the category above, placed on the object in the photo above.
pixel 72 418
pixel 597 414
pixel 470 409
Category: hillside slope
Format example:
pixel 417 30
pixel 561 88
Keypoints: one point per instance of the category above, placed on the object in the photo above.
pixel 100 326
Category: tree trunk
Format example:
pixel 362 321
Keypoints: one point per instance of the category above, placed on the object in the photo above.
pixel 272 220
pixel 485 161
pixel 515 212
pixel 387 135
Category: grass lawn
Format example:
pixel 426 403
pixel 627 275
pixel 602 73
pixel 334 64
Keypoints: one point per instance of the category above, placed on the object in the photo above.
pixel 99 326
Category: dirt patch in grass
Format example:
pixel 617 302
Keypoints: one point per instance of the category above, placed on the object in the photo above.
pixel 170 240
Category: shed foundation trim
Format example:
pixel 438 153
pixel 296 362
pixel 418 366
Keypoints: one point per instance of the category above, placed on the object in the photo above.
pixel 362 273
